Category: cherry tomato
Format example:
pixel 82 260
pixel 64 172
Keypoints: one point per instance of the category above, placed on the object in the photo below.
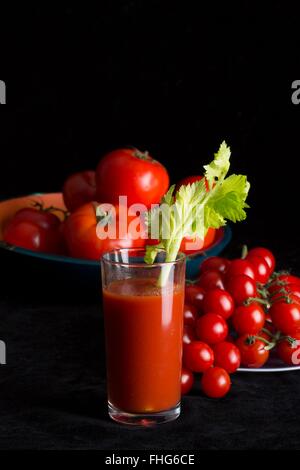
pixel 283 281
pixel 285 296
pixel 210 280
pixel 215 263
pixel 189 315
pixel 238 267
pixel 286 317
pixel 241 288
pixel 79 188
pixel 266 254
pixel 129 172
pixel 189 334
pixel 35 229
pixel 248 319
pixel 194 295
pixel 187 381
pixel 191 245
pixel 227 356
pixel 288 351
pixel 197 356
pixel 261 268
pixel 288 279
pixel 218 301
pixel 280 291
pixel 253 351
pixel 81 233
pixel 215 382
pixel 211 328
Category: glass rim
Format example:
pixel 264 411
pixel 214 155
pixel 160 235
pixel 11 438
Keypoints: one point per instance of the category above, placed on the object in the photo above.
pixel 104 258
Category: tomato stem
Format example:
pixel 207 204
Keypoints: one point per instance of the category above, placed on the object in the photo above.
pixel 250 300
pixel 142 155
pixel 292 341
pixel 268 332
pixel 263 292
pixel 280 291
pixel 41 207
pixel 269 345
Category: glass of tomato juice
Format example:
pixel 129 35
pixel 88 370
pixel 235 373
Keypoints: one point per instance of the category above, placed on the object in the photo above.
pixel 143 316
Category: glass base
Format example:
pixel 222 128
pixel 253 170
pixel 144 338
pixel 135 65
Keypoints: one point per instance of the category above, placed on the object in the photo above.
pixel 143 419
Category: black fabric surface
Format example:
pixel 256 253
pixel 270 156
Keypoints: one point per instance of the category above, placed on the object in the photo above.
pixel 53 385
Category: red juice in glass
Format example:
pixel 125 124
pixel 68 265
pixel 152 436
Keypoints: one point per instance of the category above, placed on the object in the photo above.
pixel 143 328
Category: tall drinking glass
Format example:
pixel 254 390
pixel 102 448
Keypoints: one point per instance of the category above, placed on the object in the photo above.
pixel 143 315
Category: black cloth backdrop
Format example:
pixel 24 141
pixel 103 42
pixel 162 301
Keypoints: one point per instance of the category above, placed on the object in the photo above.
pixel 175 79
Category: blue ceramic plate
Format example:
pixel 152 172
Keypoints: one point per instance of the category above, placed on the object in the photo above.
pixel 91 268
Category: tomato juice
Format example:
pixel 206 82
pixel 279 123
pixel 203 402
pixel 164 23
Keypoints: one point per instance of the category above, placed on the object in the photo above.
pixel 143 327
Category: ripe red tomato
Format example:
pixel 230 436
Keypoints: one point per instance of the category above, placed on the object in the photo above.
pixel 40 217
pixel 227 356
pixel 283 281
pixel 194 295
pixel 289 351
pixel 288 295
pixel 210 280
pixel 218 301
pixel 248 319
pixel 261 268
pixel 187 381
pixel 215 382
pixel 81 235
pixel 241 288
pixel 215 263
pixel 35 229
pixel 197 356
pixel 266 254
pixel 129 172
pixel 253 351
pixel 189 334
pixel 288 279
pixel 238 267
pixel 290 289
pixel 79 188
pixel 211 328
pixel 286 317
pixel 191 245
pixel 189 315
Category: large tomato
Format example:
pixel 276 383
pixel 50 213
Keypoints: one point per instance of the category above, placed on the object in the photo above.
pixel 35 229
pixel 129 172
pixel 81 232
pixel 79 189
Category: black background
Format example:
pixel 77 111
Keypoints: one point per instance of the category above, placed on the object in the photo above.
pixel 175 78
pixel 171 77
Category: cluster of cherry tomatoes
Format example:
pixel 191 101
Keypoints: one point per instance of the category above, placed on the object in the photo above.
pixel 123 172
pixel 236 313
